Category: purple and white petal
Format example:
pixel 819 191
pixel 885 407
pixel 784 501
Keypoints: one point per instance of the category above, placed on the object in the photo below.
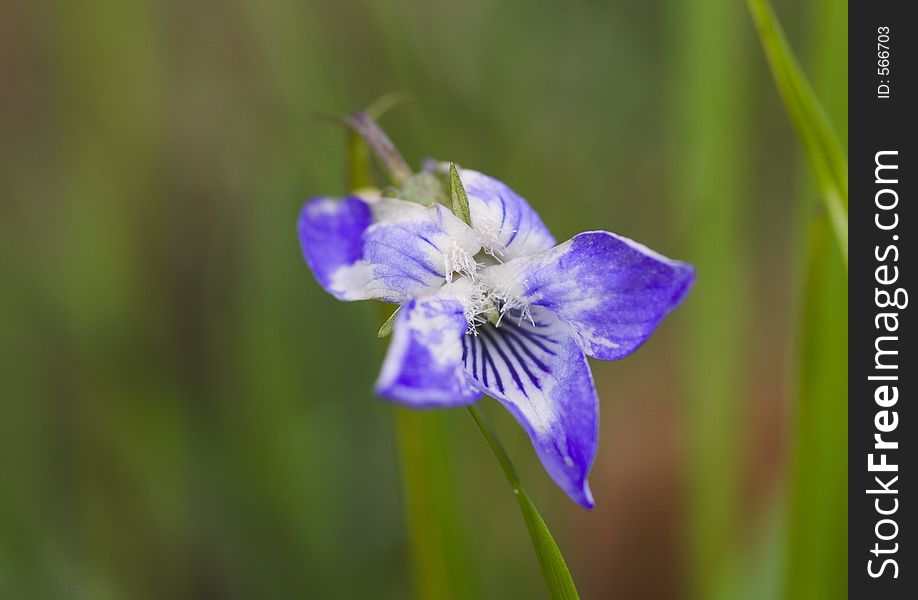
pixel 393 209
pixel 417 251
pixel 411 251
pixel 535 369
pixel 508 226
pixel 423 366
pixel 331 235
pixel 611 291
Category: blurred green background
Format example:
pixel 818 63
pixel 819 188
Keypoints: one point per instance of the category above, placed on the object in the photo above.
pixel 184 413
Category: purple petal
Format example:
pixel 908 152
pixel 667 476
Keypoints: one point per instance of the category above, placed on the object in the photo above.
pixel 612 291
pixel 536 370
pixel 409 251
pixel 508 225
pixel 423 366
pixel 416 252
pixel 331 236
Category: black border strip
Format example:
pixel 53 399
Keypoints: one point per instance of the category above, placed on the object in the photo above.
pixel 881 270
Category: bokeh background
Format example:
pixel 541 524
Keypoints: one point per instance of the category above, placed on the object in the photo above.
pixel 184 413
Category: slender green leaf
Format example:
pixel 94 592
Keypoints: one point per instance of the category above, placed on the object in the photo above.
pixel 441 557
pixel 823 150
pixel 551 561
pixel 458 196
pixel 817 558
pixel 441 563
pixel 711 144
pixel 386 329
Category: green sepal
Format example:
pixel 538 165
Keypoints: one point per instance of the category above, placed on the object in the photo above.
pixel 459 197
pixel 423 188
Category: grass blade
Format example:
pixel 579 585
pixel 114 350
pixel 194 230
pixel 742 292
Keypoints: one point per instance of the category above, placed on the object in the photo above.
pixel 441 564
pixel 554 569
pixel 441 560
pixel 823 150
pixel 817 557
pixel 711 129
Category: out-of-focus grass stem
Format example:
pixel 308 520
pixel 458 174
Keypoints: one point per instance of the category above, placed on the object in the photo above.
pixel 816 542
pixel 825 154
pixel 439 558
pixel 440 563
pixel 710 133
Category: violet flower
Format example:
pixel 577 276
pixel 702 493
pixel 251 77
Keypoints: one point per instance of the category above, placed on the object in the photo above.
pixel 496 307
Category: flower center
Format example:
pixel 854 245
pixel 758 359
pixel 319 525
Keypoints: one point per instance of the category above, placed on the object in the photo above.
pixel 485 301
pixel 491 304
pixel 459 263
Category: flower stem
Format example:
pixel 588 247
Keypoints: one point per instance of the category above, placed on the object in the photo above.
pixel 502 457
pixel 441 561
pixel 381 146
pixel 554 569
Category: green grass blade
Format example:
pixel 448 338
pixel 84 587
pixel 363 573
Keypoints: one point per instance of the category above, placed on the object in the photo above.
pixel 441 564
pixel 441 560
pixel 815 561
pixel 554 569
pixel 711 129
pixel 817 558
pixel 551 561
pixel 823 150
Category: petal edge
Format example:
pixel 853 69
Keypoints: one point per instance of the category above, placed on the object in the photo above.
pixel 538 373
pixel 423 365
pixel 610 290
pixel 331 236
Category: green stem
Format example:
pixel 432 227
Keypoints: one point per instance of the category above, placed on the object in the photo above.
pixel 554 569
pixel 381 146
pixel 710 130
pixel 440 560
pixel 816 557
pixel 441 565
pixel 826 156
pixel 502 457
